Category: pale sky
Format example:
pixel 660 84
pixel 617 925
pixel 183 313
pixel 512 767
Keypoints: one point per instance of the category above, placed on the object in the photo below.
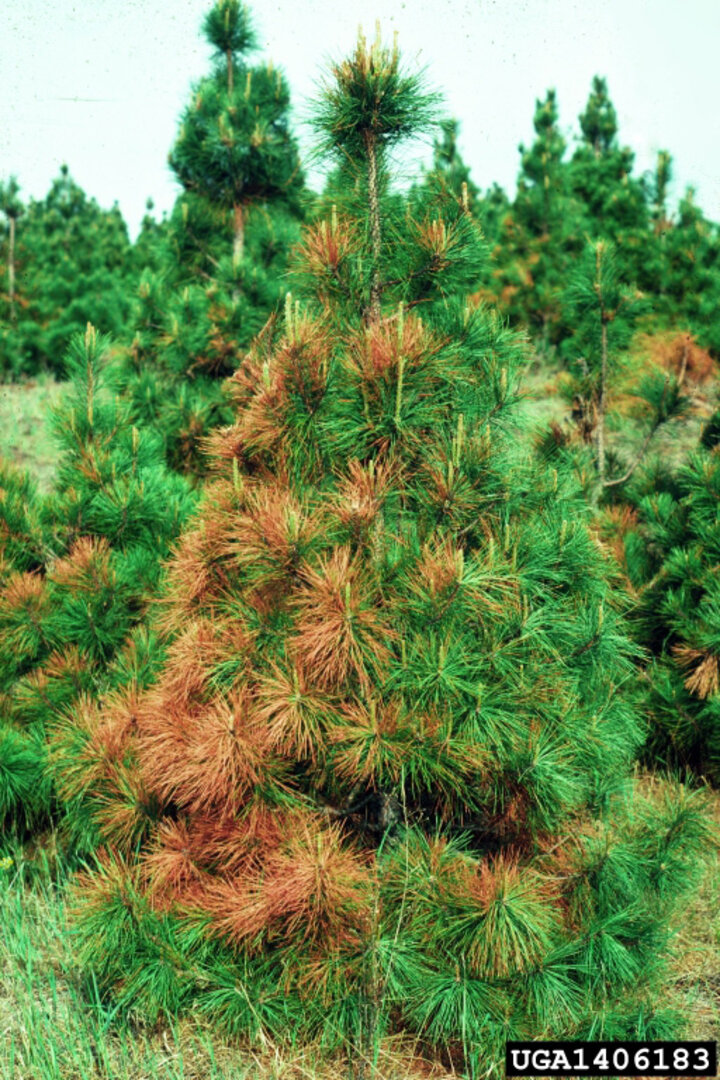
pixel 100 84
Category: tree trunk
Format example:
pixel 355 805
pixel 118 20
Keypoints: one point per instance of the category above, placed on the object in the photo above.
pixel 230 71
pixel 238 233
pixel 11 268
pixel 375 233
pixel 601 402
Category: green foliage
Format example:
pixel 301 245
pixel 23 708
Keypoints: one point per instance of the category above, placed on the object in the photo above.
pixel 689 285
pixel 370 97
pixel 71 266
pixel 234 146
pixel 671 557
pixel 538 237
pixel 604 311
pixel 542 235
pixel 600 174
pixel 215 274
pixel 78 568
pixel 449 167
pixel 228 28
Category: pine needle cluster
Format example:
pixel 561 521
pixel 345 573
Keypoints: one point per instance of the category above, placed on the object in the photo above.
pixel 671 549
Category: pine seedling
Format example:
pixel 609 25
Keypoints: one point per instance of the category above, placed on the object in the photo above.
pixel 604 310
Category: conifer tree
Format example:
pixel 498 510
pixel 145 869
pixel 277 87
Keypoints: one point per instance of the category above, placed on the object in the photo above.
pixel 77 570
pixel 11 352
pixel 147 249
pixel 690 277
pixel 234 147
pixel 226 243
pixel 72 267
pixel 680 262
pixel 604 312
pixel 450 169
pixel 379 763
pixel 450 175
pixel 671 552
pixel 600 176
pixel 543 235
pixel 11 206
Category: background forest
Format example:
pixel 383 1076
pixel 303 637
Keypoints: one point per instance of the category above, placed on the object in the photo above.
pixel 359 606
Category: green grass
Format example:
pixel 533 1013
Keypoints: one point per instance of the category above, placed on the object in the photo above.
pixel 696 951
pixel 24 436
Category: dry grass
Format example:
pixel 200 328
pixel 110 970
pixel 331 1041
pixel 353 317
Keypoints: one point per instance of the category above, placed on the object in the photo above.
pixel 544 404
pixel 696 963
pixel 24 437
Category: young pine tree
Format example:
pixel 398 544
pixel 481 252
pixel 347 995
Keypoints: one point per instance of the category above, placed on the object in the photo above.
pixel 603 311
pixel 612 202
pixel 382 750
pixel 225 245
pixel 147 252
pixel 449 168
pixel 542 235
pixel 690 273
pixel 671 554
pixel 450 176
pixel 71 266
pixel 12 208
pixel 77 570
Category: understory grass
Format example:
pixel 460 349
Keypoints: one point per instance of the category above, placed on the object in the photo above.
pixel 24 434
pixel 542 404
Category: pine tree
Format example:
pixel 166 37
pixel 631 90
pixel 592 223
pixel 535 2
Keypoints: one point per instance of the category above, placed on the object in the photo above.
pixel 11 206
pixel 604 313
pixel 148 247
pixel 691 278
pixel 600 175
pixel 449 168
pixel 225 245
pixel 77 570
pixel 450 175
pixel 234 147
pixel 543 234
pixel 375 779
pixel 654 262
pixel 671 551
pixel 680 262
pixel 72 267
